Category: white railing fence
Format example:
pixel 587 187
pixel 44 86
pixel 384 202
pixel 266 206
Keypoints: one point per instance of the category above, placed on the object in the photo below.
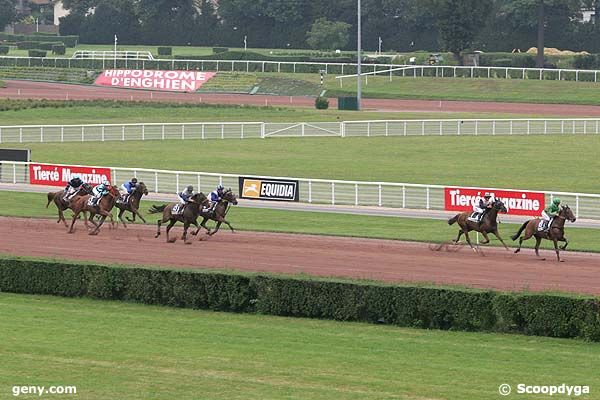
pixel 247 130
pixel 318 191
pixel 448 71
pixel 111 55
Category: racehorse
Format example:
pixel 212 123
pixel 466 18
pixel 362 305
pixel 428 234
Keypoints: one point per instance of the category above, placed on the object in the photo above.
pixel 556 231
pixel 133 203
pixel 189 215
pixel 219 213
pixel 488 224
pixel 105 205
pixel 62 205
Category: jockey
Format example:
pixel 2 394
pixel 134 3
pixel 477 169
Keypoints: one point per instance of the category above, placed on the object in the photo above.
pixel 186 194
pixel 216 196
pixel 482 206
pixel 99 191
pixel 129 186
pixel 72 188
pixel 550 212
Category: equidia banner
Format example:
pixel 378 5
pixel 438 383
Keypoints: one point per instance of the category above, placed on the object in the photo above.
pixel 179 81
pixel 516 202
pixel 268 189
pixel 60 175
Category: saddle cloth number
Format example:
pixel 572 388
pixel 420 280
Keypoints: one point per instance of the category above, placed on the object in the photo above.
pixel 178 209
pixel 542 226
pixel 474 217
pixel 90 201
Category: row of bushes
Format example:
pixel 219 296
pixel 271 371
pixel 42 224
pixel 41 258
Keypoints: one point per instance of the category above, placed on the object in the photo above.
pixel 69 41
pixel 422 307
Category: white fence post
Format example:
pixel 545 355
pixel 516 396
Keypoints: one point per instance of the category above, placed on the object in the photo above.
pixel 333 193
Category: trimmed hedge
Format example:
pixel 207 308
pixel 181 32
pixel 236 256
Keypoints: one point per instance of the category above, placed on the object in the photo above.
pixel 59 49
pixel 4 49
pixel 165 51
pixel 422 307
pixel 516 60
pixel 321 103
pixel 37 53
pixel 69 41
pixel 217 50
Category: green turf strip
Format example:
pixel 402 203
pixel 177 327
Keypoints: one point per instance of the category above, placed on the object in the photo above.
pixel 559 163
pixel 318 223
pixel 117 350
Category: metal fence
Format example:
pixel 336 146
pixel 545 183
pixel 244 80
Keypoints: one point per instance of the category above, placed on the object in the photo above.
pixel 305 67
pixel 317 191
pixel 245 130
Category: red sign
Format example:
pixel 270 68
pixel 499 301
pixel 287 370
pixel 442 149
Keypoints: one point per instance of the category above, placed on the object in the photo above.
pixel 517 203
pixel 179 81
pixel 60 175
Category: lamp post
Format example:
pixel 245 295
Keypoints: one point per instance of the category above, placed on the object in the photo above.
pixel 380 42
pixel 115 54
pixel 358 66
pixel 245 42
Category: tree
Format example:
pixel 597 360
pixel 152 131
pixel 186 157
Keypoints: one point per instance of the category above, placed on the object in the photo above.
pixel 459 21
pixel 556 16
pixel 328 35
pixel 7 12
pixel 111 17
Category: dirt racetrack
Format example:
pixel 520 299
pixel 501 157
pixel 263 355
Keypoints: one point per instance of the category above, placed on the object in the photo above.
pixel 386 260
pixel 57 91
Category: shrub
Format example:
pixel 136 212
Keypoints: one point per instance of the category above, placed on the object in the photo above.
pixel 59 49
pixel 37 53
pixel 165 51
pixel 421 307
pixel 46 45
pixel 4 49
pixel 516 60
pixel 217 50
pixel 588 61
pixel 321 103
pixel 27 45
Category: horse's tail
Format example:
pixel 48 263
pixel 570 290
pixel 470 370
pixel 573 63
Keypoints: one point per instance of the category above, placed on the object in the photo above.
pixel 50 198
pixel 516 235
pixel 156 209
pixel 453 219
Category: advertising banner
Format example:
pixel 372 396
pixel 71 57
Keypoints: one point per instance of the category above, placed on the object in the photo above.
pixel 60 175
pixel 268 189
pixel 517 202
pixel 178 81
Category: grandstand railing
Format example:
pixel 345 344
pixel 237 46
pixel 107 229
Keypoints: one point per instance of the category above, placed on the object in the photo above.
pixel 247 130
pixel 342 69
pixel 316 191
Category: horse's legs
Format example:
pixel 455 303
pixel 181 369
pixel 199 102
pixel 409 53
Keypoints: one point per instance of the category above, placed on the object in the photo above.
pixel 171 223
pixel 485 236
pixel 497 234
pixel 216 228
pixel 229 225
pixel 556 249
pixel 61 217
pixel 104 214
pixel 460 232
pixel 469 240
pixel 527 236
pixel 120 217
pixel 75 216
pixel 186 225
pixel 158 228
pixel 564 239
pixel 538 241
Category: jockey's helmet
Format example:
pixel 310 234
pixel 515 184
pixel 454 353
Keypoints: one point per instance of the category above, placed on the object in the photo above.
pixel 487 195
pixel 190 188
pixel 133 180
pixel 556 201
pixel 220 187
pixel 106 183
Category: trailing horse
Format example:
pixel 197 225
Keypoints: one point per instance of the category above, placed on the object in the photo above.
pixel 488 224
pixel 219 213
pixel 62 205
pixel 105 205
pixel 555 232
pixel 189 215
pixel 133 203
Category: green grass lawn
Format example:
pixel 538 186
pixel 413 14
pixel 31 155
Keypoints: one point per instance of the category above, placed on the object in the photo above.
pixel 120 350
pixel 318 223
pixel 33 113
pixel 559 163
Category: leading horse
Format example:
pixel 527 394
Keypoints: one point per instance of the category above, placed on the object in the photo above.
pixel 488 224
pixel 555 233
